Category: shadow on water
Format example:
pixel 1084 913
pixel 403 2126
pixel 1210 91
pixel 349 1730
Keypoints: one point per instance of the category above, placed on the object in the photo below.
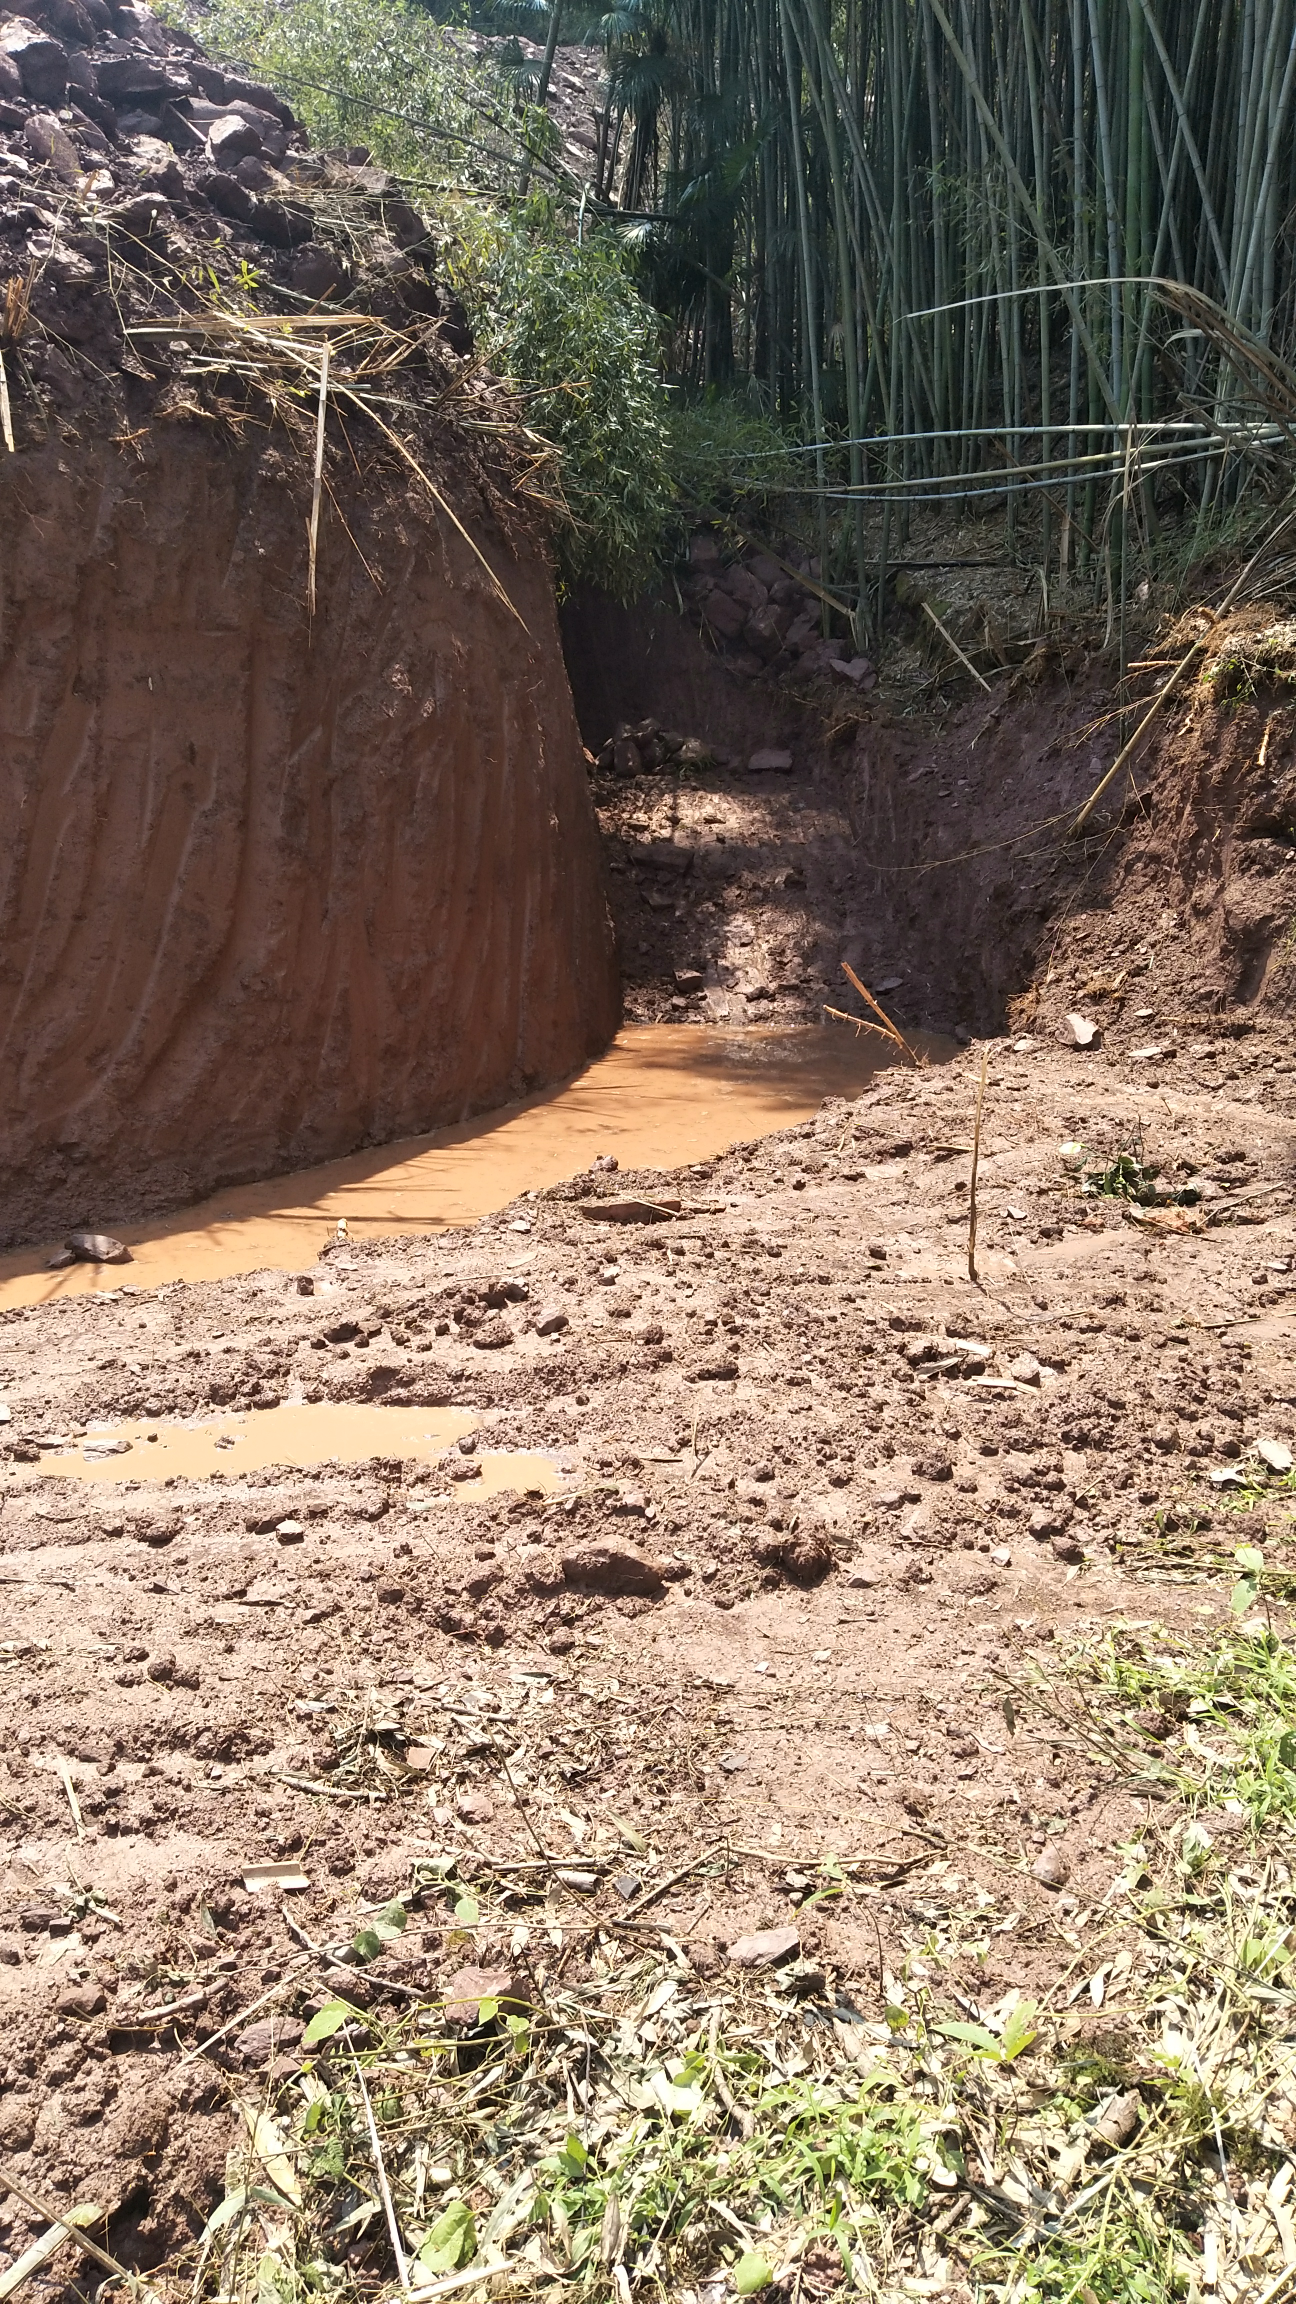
pixel 661 1096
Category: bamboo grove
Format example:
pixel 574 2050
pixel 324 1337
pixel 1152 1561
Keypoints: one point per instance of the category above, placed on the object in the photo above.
pixel 1030 254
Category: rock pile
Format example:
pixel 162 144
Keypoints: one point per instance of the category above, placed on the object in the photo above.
pixel 117 133
pixel 766 617
pixel 640 747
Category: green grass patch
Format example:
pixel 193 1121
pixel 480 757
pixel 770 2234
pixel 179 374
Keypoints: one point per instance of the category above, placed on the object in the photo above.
pixel 1126 2130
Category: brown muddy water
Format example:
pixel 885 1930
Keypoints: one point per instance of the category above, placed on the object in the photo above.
pixel 663 1095
pixel 306 1433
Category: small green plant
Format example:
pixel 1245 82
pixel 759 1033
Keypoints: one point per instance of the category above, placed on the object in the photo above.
pixel 1246 1591
pixel 1132 1176
pixel 1004 2047
pixel 731 464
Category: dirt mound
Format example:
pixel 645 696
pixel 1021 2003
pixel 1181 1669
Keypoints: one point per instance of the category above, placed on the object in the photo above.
pixel 276 883
pixel 1190 895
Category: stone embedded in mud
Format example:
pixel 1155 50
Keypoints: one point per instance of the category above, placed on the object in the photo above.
pixel 468 1987
pixel 231 138
pixel 1084 1033
pixel 723 615
pixel 1119 2118
pixel 52 144
pixel 630 1211
pixel 768 1948
pixel 272 2036
pixel 144 220
pixel 771 762
pixel 940 1467
pixel 228 197
pixel 281 223
pixel 316 271
pixel 857 670
pixel 544 1572
pixel 614 1568
pixel 96 1248
pixel 474 1808
pixel 807 1559
pixel 1051 1868
pixel 83 2002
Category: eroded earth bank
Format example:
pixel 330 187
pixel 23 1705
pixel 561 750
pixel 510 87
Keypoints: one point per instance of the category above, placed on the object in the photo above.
pixel 297 846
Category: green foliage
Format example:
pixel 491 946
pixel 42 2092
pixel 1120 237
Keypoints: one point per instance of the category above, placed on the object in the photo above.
pixel 451 2241
pixel 330 2019
pixel 1235 1696
pixel 1003 2048
pixel 729 460
pixel 1245 1593
pixel 375 72
pixel 383 1930
pixel 1132 1177
pixel 565 322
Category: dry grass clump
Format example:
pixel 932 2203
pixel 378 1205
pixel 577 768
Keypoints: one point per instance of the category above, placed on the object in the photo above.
pixel 1245 661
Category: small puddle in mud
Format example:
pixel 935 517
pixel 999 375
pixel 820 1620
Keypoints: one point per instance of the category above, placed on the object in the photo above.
pixel 663 1095
pixel 312 1433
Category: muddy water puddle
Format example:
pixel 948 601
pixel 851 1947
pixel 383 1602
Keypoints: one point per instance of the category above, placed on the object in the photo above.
pixel 662 1096
pixel 309 1433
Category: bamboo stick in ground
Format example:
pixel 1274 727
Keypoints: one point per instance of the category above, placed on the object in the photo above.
pixel 951 642
pixel 893 1031
pixel 320 416
pixel 976 1163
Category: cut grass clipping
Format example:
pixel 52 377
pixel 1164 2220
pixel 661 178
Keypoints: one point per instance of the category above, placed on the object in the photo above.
pixel 644 2131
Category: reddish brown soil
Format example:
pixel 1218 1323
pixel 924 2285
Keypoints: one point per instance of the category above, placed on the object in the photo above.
pixel 270 894
pixel 265 899
pixel 742 1393
pixel 274 886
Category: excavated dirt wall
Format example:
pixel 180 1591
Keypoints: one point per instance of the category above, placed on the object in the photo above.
pixel 936 853
pixel 271 890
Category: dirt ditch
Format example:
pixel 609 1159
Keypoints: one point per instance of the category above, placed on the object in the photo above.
pixel 681 1655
